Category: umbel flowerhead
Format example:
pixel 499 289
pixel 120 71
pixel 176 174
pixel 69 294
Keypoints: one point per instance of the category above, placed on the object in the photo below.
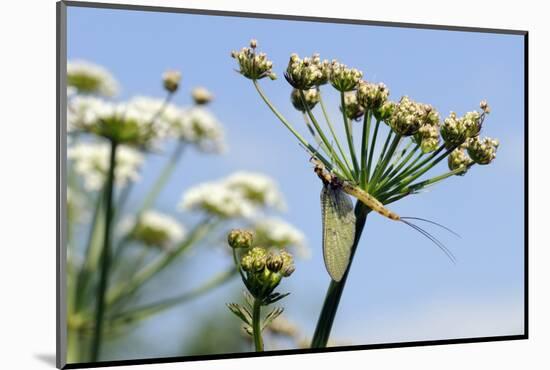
pixel 353 109
pixel 238 238
pixel 311 98
pixel 171 80
pixel 343 78
pixel 482 151
pixel 307 73
pixel 372 96
pixel 252 65
pixel 262 271
pixel 459 161
pixel 456 130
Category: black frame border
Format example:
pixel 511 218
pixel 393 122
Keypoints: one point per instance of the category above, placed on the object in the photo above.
pixel 61 146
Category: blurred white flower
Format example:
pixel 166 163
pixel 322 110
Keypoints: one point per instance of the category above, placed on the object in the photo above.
pixel 257 188
pixel 154 229
pixel 90 78
pixel 217 199
pixel 91 161
pixel 198 126
pixel 278 233
pixel 126 122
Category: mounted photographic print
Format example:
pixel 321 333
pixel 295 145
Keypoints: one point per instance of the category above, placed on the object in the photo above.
pixel 234 184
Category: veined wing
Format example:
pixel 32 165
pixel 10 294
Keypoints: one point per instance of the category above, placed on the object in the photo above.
pixel 338 230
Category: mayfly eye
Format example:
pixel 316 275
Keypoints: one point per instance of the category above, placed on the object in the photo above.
pixel 338 230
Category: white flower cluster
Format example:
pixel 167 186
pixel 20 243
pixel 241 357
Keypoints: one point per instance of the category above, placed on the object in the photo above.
pixel 87 77
pixel 198 126
pixel 91 161
pixel 194 125
pixel 278 233
pixel 258 188
pixel 154 229
pixel 242 194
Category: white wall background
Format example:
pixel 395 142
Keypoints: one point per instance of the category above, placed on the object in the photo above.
pixel 27 183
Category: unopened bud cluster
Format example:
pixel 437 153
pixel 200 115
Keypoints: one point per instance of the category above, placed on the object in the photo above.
pixel 171 81
pixel 264 270
pixel 307 73
pixel 311 98
pixel 456 130
pixel 343 78
pixel 238 238
pixel 353 110
pixel 201 96
pixel 407 117
pixel 482 151
pixel 372 96
pixel 252 65
pixel 459 160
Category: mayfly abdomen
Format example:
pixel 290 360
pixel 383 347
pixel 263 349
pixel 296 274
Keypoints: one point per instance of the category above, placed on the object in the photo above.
pixel 338 230
pixel 370 201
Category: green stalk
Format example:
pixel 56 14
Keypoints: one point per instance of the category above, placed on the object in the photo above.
pixel 331 153
pixel 333 133
pixel 365 148
pixel 281 118
pixel 145 311
pixel 161 181
pixel 373 144
pixel 335 289
pixel 388 155
pixel 256 327
pixel 105 259
pixel 349 135
pixel 392 170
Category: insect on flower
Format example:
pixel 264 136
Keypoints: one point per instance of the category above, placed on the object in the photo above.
pixel 339 220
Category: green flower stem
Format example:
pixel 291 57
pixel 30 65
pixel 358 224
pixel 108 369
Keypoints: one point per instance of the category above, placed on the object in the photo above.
pixel 90 259
pixel 373 144
pixel 256 327
pixel 161 181
pixel 405 182
pixel 349 136
pixel 433 180
pixel 333 133
pixel 149 271
pixel 335 289
pixel 145 311
pixel 392 170
pixel 330 152
pixel 365 148
pixel 105 259
pixel 388 155
pixel 163 106
pixel 314 134
pixel 281 118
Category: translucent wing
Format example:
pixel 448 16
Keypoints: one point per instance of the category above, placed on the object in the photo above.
pixel 338 230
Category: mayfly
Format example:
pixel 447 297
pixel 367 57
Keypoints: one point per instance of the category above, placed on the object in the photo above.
pixel 339 220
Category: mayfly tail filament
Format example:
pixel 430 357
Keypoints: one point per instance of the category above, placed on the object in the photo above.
pixel 432 238
pixel 433 223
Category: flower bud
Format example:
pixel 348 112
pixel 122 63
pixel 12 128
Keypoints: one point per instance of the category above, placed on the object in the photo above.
pixel 353 109
pixel 482 151
pixel 458 159
pixel 252 65
pixel 372 96
pixel 238 238
pixel 385 111
pixel 312 97
pixel 274 262
pixel 428 138
pixel 343 78
pixel 485 107
pixel 306 73
pixel 247 262
pixel 201 95
pixel 407 117
pixel 171 81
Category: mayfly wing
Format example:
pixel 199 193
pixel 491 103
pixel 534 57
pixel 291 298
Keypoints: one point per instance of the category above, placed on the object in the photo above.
pixel 338 230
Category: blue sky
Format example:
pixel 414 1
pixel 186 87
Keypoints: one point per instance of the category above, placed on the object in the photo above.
pixel 401 287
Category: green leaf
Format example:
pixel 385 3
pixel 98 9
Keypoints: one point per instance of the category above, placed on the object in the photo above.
pixel 338 230
pixel 276 312
pixel 241 312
